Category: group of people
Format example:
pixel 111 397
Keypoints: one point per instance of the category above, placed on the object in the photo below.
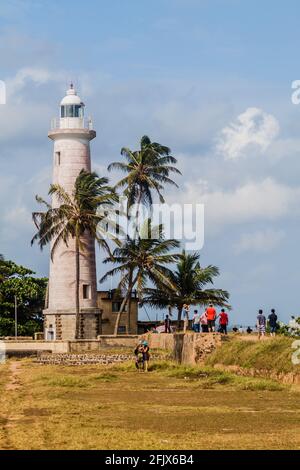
pixel 207 320
pixel 262 323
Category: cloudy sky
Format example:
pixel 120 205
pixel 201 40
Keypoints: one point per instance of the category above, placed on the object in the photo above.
pixel 212 79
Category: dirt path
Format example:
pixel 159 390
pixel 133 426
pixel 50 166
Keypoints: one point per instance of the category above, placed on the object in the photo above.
pixel 9 416
pixel 14 382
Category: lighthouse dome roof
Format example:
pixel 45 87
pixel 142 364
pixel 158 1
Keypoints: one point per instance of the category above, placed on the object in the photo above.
pixel 71 97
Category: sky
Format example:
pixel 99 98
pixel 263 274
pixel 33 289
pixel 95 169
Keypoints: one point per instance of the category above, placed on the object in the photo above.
pixel 212 79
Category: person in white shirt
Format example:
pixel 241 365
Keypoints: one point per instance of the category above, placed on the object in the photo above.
pixel 196 322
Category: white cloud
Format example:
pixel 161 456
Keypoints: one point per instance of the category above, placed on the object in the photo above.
pixel 264 200
pixel 37 75
pixel 16 220
pixel 254 128
pixel 260 241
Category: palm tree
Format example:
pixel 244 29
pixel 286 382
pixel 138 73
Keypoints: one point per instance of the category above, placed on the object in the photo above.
pixel 147 169
pixel 78 214
pixel 140 260
pixel 189 279
pixel 2 268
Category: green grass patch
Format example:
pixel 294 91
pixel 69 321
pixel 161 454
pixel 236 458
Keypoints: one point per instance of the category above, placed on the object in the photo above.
pixel 246 383
pixel 208 377
pixel 275 354
pixel 104 377
pixel 68 381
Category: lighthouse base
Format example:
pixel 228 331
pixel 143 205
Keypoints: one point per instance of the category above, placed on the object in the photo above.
pixel 60 325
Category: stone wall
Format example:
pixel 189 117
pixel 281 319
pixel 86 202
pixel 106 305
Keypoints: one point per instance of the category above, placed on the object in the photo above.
pixel 127 341
pixel 196 347
pixel 54 346
pixel 160 340
pixel 88 359
pixel 189 348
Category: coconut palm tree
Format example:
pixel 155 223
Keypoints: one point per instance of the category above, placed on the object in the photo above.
pixel 77 215
pixel 140 260
pixel 148 170
pixel 189 280
pixel 3 268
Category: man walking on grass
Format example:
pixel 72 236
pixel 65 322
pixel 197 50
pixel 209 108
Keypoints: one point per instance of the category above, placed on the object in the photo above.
pixel 261 324
pixel 273 322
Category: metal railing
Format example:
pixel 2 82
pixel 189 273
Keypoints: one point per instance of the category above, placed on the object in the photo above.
pixel 71 123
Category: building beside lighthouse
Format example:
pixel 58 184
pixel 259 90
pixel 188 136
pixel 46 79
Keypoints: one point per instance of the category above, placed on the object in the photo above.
pixel 71 134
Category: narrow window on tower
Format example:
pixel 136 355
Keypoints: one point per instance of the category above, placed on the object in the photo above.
pixel 86 291
pixel 57 158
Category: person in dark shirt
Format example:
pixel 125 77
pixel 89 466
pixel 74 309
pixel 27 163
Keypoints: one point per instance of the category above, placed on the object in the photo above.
pixel 273 322
pixel 167 324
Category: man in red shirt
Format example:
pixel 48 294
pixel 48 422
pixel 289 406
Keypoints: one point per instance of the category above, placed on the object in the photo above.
pixel 211 318
pixel 223 320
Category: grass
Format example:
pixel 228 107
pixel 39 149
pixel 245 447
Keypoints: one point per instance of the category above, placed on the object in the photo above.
pixel 209 377
pixel 171 407
pixel 273 355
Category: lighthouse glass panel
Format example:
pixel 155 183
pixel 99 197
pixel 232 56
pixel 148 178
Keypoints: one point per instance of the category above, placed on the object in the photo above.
pixel 71 111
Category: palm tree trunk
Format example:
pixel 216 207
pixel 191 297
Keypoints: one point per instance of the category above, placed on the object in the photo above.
pixel 186 321
pixel 129 305
pixel 123 305
pixel 179 307
pixel 77 285
pixel 137 213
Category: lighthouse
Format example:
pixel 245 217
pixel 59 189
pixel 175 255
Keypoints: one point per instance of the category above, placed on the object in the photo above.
pixel 71 134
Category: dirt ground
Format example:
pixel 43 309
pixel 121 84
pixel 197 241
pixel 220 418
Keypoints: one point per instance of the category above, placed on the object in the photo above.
pixel 51 407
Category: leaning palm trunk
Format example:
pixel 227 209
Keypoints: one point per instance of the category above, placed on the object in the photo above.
pixel 179 315
pixel 129 306
pixel 77 284
pixel 123 305
pixel 186 321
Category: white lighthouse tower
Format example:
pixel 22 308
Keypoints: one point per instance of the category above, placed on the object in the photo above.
pixel 71 136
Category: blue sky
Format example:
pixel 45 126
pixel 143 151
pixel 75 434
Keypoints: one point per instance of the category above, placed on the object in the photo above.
pixel 211 79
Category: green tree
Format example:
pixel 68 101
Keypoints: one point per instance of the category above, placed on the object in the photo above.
pixel 141 260
pixel 30 293
pixel 3 269
pixel 148 170
pixel 78 214
pixel 190 281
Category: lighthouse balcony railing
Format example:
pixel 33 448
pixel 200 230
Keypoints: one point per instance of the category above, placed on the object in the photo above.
pixel 71 123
